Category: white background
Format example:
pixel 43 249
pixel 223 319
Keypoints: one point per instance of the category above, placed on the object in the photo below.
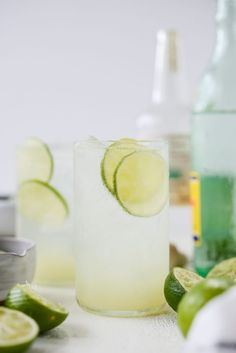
pixel 72 68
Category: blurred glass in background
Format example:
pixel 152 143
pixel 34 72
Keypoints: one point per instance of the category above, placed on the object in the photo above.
pixel 45 208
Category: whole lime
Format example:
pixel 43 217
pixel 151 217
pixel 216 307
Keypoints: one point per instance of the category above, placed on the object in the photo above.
pixel 197 297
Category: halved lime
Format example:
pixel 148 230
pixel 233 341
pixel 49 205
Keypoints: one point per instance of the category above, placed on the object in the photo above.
pixel 177 283
pixel 197 297
pixel 46 313
pixel 41 203
pixel 112 157
pixel 226 269
pixel 34 161
pixel 141 183
pixel 17 331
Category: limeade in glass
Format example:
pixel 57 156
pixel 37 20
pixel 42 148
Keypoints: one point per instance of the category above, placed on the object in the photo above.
pixel 44 208
pixel 121 216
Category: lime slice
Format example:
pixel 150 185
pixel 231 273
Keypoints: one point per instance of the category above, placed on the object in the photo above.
pixel 141 183
pixel 198 296
pixel 17 331
pixel 226 269
pixel 46 313
pixel 41 203
pixel 34 161
pixel 112 157
pixel 177 283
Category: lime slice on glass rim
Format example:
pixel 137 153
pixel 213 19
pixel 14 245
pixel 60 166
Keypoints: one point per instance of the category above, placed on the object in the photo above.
pixel 226 269
pixel 178 282
pixel 41 203
pixel 141 183
pixel 112 157
pixel 197 298
pixel 17 331
pixel 34 161
pixel 46 313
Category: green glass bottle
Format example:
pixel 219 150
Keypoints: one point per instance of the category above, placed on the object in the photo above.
pixel 213 190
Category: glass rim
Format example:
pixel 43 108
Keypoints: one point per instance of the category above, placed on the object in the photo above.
pixel 155 143
pixel 51 145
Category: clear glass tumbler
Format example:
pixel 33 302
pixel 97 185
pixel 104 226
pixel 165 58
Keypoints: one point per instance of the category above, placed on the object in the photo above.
pixel 45 208
pixel 121 216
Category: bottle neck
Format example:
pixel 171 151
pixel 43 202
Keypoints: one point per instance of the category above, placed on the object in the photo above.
pixel 225 29
pixel 169 82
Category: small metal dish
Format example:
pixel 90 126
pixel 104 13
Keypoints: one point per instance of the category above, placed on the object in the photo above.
pixel 17 263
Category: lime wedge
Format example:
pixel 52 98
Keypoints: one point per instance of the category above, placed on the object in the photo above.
pixel 34 161
pixel 177 283
pixel 141 183
pixel 47 314
pixel 112 157
pixel 197 297
pixel 17 331
pixel 226 269
pixel 41 203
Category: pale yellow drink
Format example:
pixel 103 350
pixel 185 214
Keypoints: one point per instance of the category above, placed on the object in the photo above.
pixel 46 215
pixel 122 259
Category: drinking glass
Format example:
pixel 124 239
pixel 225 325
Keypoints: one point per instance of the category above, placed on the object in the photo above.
pixel 45 208
pixel 121 217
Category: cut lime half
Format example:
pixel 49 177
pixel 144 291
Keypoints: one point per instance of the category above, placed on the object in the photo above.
pixel 41 203
pixel 46 313
pixel 17 331
pixel 141 183
pixel 177 283
pixel 226 269
pixel 112 157
pixel 34 161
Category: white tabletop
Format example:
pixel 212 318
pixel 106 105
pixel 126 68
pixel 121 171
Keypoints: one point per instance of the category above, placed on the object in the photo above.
pixel 88 333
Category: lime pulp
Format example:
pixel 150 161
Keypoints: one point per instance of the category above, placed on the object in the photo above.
pixel 17 331
pixel 34 161
pixel 41 203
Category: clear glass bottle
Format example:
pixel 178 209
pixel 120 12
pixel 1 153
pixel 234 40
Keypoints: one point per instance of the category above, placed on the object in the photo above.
pixel 168 114
pixel 214 148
